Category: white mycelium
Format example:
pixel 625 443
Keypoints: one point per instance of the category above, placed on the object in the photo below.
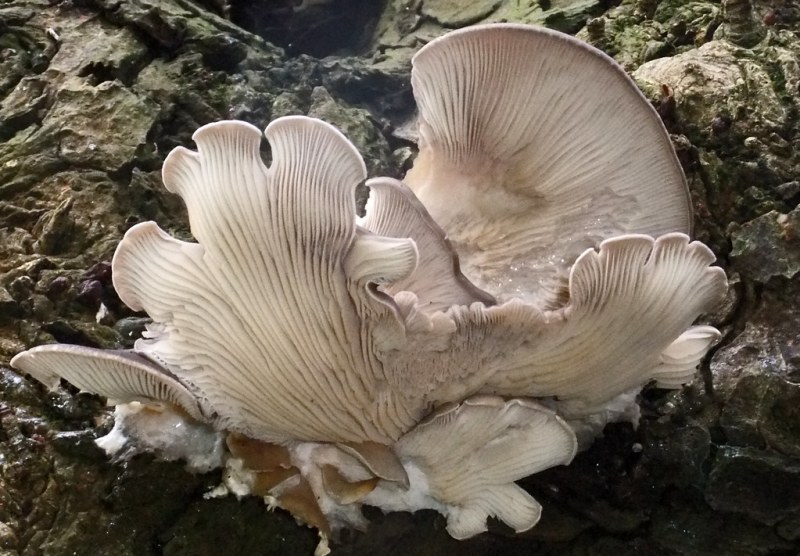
pixel 349 361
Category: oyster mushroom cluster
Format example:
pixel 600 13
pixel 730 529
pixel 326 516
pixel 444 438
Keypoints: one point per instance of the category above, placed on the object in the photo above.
pixel 483 321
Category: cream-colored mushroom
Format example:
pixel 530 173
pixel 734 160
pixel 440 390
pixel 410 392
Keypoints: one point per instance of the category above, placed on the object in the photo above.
pixel 534 146
pixel 628 321
pixel 318 343
pixel 437 282
pixel 121 376
pixel 270 315
pixel 464 458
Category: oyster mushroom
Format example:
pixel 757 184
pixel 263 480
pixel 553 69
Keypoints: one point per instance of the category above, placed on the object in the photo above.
pixel 465 458
pixel 270 315
pixel 531 275
pixel 122 375
pixel 535 150
pixel 534 147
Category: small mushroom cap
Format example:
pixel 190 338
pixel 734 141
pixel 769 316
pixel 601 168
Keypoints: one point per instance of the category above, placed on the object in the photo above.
pixel 343 491
pixel 120 375
pixel 379 459
pixel 394 211
pixel 631 303
pixel 681 358
pixel 257 455
pixel 535 146
pixel 296 497
pixel 264 481
pixel 471 454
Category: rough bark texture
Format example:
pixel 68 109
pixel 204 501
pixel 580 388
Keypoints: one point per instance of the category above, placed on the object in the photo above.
pixel 96 92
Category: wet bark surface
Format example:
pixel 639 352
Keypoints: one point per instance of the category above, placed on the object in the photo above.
pixel 95 93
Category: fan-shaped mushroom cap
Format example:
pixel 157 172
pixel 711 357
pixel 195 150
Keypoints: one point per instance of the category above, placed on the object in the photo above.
pixel 631 304
pixel 271 314
pixel 295 496
pixel 122 376
pixel 274 321
pixel 534 147
pixel 470 454
pixel 681 358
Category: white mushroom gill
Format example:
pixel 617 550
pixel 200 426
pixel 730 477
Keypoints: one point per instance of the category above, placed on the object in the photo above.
pixel 549 148
pixel 351 362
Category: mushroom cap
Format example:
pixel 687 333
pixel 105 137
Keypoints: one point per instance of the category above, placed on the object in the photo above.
pixel 437 282
pixel 280 322
pixel 631 306
pixel 121 375
pixel 379 459
pixel 535 146
pixel 272 316
pixel 471 453
pixel 628 321
pixel 343 491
